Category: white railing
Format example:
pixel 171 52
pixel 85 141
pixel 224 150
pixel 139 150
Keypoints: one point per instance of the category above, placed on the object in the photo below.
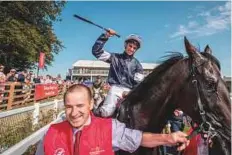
pixel 23 145
pixel 56 104
pixel 12 116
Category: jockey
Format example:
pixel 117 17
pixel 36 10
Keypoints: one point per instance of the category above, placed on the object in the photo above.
pixel 125 70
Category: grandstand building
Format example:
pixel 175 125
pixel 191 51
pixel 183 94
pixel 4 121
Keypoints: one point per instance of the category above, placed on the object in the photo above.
pixel 89 69
pixel 228 82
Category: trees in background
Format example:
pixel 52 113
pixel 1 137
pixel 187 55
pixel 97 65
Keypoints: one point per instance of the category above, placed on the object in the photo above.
pixel 26 28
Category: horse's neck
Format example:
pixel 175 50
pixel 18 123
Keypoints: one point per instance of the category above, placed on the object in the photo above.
pixel 162 105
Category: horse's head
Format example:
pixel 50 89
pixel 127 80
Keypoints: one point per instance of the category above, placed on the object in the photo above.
pixel 205 98
pixel 193 84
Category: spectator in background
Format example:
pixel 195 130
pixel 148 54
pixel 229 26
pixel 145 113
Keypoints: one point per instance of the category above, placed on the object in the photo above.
pixel 32 76
pixel 80 80
pixel 27 85
pixel 22 76
pixel 176 123
pixel 97 90
pixel 59 79
pixel 36 80
pixel 2 75
pixel 88 82
pixel 42 79
pixel 68 83
pixel 11 76
pixel 28 78
pixel 48 79
pixel 2 82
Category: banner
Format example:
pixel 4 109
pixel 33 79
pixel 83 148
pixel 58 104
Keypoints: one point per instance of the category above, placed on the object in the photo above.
pixel 45 90
pixel 41 60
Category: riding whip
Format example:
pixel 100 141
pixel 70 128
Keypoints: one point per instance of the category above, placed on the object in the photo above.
pixel 88 21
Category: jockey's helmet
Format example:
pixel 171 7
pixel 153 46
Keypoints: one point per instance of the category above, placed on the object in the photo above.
pixel 134 38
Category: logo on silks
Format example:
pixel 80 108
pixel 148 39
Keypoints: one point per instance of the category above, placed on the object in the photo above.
pixel 59 151
pixel 96 151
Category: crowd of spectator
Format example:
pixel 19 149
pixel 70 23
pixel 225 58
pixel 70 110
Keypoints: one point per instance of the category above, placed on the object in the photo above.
pixel 28 78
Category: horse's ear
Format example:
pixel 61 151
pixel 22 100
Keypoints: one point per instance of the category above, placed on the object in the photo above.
pixel 190 49
pixel 208 49
pixel 193 52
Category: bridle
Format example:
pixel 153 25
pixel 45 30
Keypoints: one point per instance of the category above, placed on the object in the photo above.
pixel 205 128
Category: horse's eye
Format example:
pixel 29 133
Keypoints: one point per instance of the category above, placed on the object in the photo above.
pixel 211 71
pixel 211 85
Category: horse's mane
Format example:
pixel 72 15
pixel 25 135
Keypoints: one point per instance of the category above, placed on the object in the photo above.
pixel 153 77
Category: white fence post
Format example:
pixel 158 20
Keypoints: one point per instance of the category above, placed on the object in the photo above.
pixel 55 108
pixel 35 114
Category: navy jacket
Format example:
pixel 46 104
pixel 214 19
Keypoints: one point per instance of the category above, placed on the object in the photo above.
pixel 124 70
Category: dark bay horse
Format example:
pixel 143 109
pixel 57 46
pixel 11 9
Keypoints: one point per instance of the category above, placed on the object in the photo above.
pixel 193 84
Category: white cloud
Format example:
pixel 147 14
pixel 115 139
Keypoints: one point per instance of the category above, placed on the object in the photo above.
pixel 216 23
pixel 210 22
pixel 182 30
pixel 204 14
pixel 192 24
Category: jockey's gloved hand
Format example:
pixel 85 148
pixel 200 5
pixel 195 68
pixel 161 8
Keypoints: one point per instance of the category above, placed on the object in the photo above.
pixel 110 33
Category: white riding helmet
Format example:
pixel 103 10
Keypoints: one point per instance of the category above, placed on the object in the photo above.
pixel 134 37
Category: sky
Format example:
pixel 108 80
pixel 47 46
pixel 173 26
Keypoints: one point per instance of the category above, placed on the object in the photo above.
pixel 162 26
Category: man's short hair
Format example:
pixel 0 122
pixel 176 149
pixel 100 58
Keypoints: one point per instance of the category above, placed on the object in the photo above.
pixel 75 87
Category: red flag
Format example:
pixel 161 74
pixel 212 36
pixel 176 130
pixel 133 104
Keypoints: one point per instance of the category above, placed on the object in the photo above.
pixel 41 60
